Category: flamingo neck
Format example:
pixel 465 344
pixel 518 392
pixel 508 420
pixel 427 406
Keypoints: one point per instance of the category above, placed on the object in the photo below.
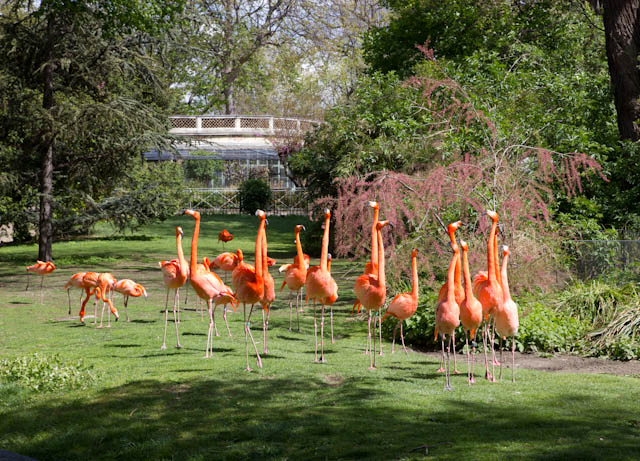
pixel 468 290
pixel 450 281
pixel 374 239
pixel 491 257
pixel 194 247
pixel 265 266
pixel 181 259
pixel 325 244
pixel 299 251
pixel 497 260
pixel 505 279
pixel 381 275
pixel 258 250
pixel 414 278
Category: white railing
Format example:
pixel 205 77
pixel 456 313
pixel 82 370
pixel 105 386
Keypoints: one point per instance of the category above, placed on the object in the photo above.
pixel 237 125
pixel 284 202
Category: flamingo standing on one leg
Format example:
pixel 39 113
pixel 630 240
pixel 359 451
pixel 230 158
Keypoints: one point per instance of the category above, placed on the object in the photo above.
pixel 128 287
pixel 42 269
pixel 206 284
pixel 506 323
pixel 470 311
pixel 174 275
pixel 372 290
pixel 458 292
pixel 404 305
pixel 76 281
pixel 225 236
pixel 321 286
pixel 248 283
pixel 487 289
pixel 448 312
pixel 295 275
pixel 106 282
pixel 269 295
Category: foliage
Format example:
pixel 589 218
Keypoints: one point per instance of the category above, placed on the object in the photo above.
pixel 254 194
pixel 45 373
pixel 202 169
pixel 544 330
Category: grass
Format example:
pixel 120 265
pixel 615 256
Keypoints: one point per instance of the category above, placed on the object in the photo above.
pixel 150 404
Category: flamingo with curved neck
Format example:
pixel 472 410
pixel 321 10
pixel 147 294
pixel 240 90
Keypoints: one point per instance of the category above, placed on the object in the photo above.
pixel 174 275
pixel 507 321
pixel 295 275
pixel 470 311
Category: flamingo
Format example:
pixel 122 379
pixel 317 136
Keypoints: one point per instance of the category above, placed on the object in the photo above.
pixel 269 294
pixel 448 312
pixel 486 287
pixel 223 300
pixel 42 269
pixel 506 317
pixel 321 286
pixel 226 261
pixel 90 280
pixel 295 275
pixel 128 287
pixel 372 290
pixel 248 283
pixel 458 292
pixel 106 282
pixel 206 284
pixel 225 236
pixel 76 281
pixel 372 266
pixel 404 305
pixel 470 311
pixel 174 275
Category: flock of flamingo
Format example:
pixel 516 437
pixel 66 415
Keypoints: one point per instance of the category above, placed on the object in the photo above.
pixel 486 302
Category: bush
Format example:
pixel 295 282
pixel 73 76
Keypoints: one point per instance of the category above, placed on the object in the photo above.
pixel 544 330
pixel 41 373
pixel 255 194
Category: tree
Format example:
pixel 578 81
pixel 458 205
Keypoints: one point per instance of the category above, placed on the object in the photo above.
pixel 82 96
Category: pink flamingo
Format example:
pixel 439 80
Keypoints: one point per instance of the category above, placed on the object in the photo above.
pixel 321 286
pixel 76 281
pixel 506 323
pixel 470 312
pixel 487 289
pixel 42 269
pixel 448 313
pixel 370 267
pixel 224 299
pixel 225 236
pixel 226 262
pixel 295 275
pixel 128 287
pixel 104 291
pixel 174 275
pixel 248 283
pixel 404 305
pixel 206 284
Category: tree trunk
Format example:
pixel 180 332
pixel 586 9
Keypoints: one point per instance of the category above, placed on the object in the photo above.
pixel 229 105
pixel 45 238
pixel 622 34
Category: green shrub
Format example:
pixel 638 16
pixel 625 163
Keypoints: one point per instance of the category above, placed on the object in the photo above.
pixel 45 373
pixel 544 330
pixel 255 194
pixel 595 301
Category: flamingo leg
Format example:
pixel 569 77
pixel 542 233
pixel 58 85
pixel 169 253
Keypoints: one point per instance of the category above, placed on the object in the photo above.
pixel 493 337
pixel 41 295
pixel 493 362
pixel 290 312
pixel 331 313
pixel 500 359
pixel 126 309
pixel 210 331
pixel 166 316
pixel 299 295
pixel 322 359
pixel 402 338
pixel 177 303
pixel 224 315
pixel 447 386
pixel 28 280
pixel 453 346
pixel 176 306
pixel 315 332
pixel 69 299
pixel 246 341
pixel 215 326
pixel 371 367
pixel 380 330
pixel 252 340
pixel 102 314
pixel 513 359
pixel 466 342
pixel 373 344
pixel 395 331
pixel 485 338
pixel 95 310
pixel 264 334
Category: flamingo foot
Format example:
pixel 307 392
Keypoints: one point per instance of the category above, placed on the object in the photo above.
pixel 247 369
pixel 381 354
pixel 456 372
pixel 179 346
pixel 323 360
pixel 440 370
pixel 472 381
pixel 448 388
pixel 372 368
pixel 496 363
pixel 99 326
pixel 163 347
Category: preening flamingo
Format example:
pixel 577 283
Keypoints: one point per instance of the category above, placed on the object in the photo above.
pixel 226 262
pixel 76 281
pixel 486 286
pixel 106 282
pixel 128 287
pixel 470 312
pixel 206 284
pixel 225 236
pixel 295 275
pixel 269 294
pixel 321 286
pixel 372 266
pixel 248 283
pixel 507 316
pixel 448 312
pixel 42 269
pixel 174 275
pixel 404 305
pixel 223 300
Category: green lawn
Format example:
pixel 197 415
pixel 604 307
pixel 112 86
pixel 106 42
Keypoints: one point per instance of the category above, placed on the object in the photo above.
pixel 151 404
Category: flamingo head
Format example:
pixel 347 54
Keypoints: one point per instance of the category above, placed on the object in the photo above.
pixel 373 204
pixel 327 213
pixel 299 227
pixel 144 291
pixel 493 215
pixel 382 224
pixel 454 226
pixel 240 255
pixel 261 214
pixel 505 250
pixel 464 245
pixel 414 252
pixel 455 248
pixel 192 213
pixel 270 261
pixel 179 231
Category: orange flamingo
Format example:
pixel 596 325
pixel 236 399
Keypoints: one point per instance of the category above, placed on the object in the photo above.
pixel 174 275
pixel 470 311
pixel 42 269
pixel 372 290
pixel 448 312
pixel 226 262
pixel 104 291
pixel 321 286
pixel 269 294
pixel 248 283
pixel 372 266
pixel 404 305
pixel 295 275
pixel 128 287
pixel 90 280
pixel 506 317
pixel 223 300
pixel 225 236
pixel 458 292
pixel 206 284
pixel 76 281
pixel 486 286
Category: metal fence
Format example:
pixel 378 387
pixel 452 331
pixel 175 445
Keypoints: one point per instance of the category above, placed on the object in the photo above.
pixel 284 202
pixel 596 258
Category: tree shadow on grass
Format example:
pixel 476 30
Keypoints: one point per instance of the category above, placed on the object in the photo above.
pixel 308 418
